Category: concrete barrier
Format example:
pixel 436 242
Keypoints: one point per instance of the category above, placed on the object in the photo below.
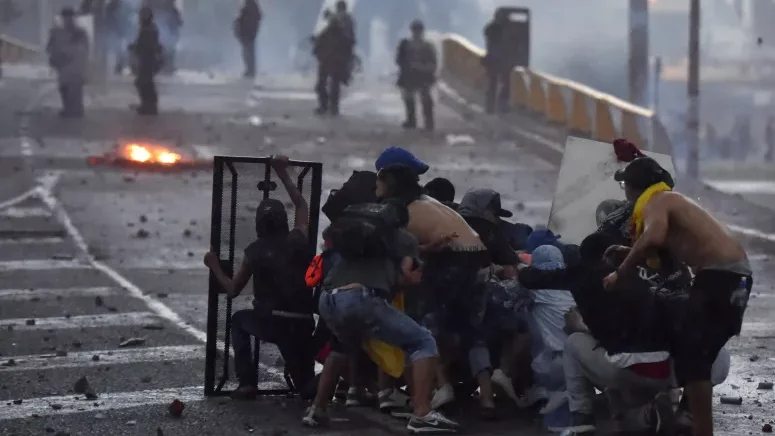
pixel 13 51
pixel 577 108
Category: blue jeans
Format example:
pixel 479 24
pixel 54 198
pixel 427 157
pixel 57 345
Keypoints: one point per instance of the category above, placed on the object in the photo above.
pixel 354 315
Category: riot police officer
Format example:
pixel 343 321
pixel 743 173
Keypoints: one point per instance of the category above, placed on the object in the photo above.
pixel 148 58
pixel 334 51
pixel 417 63
pixel 498 63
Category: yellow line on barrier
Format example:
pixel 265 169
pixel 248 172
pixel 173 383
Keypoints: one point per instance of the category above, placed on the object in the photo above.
pixel 583 110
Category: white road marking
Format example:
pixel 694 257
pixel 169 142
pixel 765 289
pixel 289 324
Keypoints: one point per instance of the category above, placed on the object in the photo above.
pixel 163 264
pixel 24 212
pixel 26 147
pixel 32 241
pixel 41 265
pixel 752 232
pixel 18 199
pixel 758 329
pixel 83 359
pixel 743 186
pixel 126 319
pixel 69 404
pixel 44 192
pixel 47 293
pixel 258 94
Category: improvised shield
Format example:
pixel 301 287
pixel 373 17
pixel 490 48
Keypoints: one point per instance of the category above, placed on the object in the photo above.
pixel 239 184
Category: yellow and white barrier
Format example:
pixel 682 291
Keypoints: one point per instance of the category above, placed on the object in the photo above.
pixel 13 51
pixel 579 109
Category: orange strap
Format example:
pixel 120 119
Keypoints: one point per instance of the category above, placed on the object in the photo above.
pixel 314 272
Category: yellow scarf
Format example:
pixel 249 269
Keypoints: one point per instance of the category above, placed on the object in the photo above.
pixel 637 216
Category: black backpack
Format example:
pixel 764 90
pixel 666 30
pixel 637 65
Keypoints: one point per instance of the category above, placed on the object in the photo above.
pixel 359 188
pixel 366 231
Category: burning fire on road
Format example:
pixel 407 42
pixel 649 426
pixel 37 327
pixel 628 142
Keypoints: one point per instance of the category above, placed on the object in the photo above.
pixel 149 156
pixel 147 153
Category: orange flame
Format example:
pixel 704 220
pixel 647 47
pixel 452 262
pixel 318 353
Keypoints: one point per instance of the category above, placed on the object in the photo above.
pixel 147 153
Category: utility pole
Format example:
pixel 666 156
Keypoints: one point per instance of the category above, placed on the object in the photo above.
pixel 693 91
pixel 638 61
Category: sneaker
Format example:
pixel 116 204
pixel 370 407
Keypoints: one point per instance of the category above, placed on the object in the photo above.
pixel 663 418
pixel 531 396
pixel 315 418
pixel 556 400
pixel 354 398
pixel 390 399
pixel 580 423
pixel 433 422
pixel 444 395
pixel 503 383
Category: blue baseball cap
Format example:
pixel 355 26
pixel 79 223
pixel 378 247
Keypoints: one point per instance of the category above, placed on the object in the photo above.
pixel 400 156
pixel 541 237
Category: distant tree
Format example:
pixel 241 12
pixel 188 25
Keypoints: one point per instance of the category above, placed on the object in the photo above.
pixel 9 12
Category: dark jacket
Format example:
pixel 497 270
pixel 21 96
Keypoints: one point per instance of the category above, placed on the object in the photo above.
pixel 147 50
pixel 639 315
pixel 248 21
pixel 417 63
pixel 498 55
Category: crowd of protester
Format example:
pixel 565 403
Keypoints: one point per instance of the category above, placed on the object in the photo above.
pixel 424 301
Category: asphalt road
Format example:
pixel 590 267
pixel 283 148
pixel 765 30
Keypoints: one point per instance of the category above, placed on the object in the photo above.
pixel 75 260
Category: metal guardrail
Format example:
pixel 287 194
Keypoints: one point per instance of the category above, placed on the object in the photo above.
pixel 15 51
pixel 579 109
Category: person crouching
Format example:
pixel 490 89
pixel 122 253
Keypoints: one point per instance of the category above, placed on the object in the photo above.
pixel 355 306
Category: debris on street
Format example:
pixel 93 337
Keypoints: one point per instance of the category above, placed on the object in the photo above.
pixel 131 342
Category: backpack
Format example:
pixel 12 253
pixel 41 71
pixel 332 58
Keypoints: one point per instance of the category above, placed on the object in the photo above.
pixel 366 231
pixel 359 188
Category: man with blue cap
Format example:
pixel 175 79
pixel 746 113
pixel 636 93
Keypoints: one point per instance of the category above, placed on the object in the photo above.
pixel 400 156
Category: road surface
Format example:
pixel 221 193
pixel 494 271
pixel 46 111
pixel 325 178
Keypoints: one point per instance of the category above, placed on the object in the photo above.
pixel 95 256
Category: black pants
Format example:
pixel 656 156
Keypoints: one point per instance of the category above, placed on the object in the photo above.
pixel 146 91
pixel 72 99
pixel 714 314
pixel 249 56
pixel 291 335
pixel 498 89
pixel 329 87
pixel 410 104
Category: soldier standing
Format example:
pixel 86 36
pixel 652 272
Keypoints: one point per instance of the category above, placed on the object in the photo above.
pixel 334 51
pixel 68 51
pixel 148 57
pixel 246 29
pixel 417 62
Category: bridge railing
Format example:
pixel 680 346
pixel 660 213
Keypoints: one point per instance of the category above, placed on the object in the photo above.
pixel 13 51
pixel 574 107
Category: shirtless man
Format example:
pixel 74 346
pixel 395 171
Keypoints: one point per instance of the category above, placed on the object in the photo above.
pixel 722 284
pixel 454 277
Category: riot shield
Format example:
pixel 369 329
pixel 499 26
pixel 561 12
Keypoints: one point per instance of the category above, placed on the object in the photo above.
pixel 239 184
pixel 518 32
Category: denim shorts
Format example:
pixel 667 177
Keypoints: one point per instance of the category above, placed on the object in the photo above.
pixel 358 314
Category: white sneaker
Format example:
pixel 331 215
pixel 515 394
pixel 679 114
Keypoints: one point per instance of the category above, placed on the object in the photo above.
pixel 392 399
pixel 503 382
pixel 531 396
pixel 444 395
pixel 556 400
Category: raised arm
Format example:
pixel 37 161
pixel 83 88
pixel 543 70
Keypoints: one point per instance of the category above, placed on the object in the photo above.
pixel 301 218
